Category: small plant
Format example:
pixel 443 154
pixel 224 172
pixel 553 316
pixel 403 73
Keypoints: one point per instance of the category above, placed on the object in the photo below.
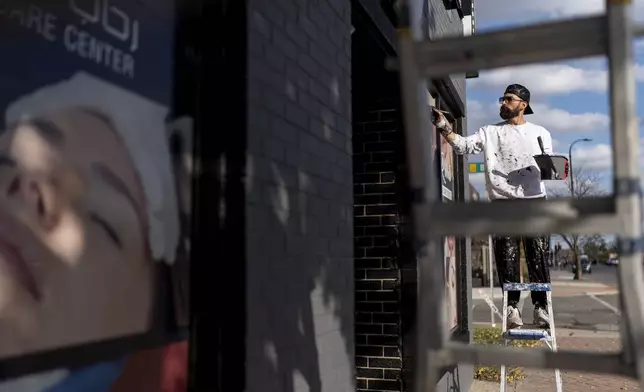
pixel 488 336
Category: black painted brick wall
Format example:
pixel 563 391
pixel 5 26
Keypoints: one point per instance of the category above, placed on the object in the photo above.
pixel 377 276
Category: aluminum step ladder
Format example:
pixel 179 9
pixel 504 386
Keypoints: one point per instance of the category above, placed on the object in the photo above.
pixel 620 214
pixel 548 336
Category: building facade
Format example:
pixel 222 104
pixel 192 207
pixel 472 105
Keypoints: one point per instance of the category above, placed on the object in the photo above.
pixel 258 146
pixel 327 276
pixel 385 265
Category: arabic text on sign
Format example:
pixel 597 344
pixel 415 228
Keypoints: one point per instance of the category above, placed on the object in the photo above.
pixel 114 21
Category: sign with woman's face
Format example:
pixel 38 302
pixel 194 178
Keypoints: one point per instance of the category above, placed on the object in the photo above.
pixel 74 263
pixel 447 170
pixel 94 204
pixel 451 292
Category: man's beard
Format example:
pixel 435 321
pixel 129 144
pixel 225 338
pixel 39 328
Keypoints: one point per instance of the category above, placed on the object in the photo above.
pixel 506 113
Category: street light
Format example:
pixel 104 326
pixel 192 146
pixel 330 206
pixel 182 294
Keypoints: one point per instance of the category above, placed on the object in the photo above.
pixel 572 194
pixel 572 181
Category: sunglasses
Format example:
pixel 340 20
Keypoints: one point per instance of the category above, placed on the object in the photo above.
pixel 509 99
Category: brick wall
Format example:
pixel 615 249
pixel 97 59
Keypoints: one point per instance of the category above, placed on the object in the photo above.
pixel 378 297
pixel 299 190
pixel 386 267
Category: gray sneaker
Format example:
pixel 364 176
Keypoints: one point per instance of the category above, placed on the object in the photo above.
pixel 514 318
pixel 541 318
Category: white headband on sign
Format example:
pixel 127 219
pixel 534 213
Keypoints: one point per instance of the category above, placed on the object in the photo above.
pixel 141 124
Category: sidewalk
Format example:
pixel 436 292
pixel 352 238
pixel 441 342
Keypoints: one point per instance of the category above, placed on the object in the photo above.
pixel 563 285
pixel 541 381
pixel 559 289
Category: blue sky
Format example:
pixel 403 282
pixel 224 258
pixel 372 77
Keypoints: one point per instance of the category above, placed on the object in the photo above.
pixel 569 98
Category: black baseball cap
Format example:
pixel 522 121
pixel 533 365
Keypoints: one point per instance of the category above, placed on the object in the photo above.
pixel 521 92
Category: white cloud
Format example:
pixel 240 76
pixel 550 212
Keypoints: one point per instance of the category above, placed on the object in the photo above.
pixel 543 79
pixel 495 12
pixel 552 79
pixel 595 157
pixel 553 119
pixel 577 75
pixel 478 115
pixel 600 156
pixel 549 9
pixel 639 72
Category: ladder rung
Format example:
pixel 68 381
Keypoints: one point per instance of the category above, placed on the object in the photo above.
pixel 533 44
pixel 527 334
pixel 528 217
pixel 527 287
pixel 539 358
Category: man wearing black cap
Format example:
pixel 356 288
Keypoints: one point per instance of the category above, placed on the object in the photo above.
pixel 511 173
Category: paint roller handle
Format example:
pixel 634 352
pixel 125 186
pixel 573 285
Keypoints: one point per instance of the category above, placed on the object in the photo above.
pixel 547 167
pixel 540 140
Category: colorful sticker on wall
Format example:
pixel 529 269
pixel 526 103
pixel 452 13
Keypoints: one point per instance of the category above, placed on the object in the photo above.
pixel 478 167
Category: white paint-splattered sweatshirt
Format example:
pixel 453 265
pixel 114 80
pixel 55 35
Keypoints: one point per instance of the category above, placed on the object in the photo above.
pixel 511 171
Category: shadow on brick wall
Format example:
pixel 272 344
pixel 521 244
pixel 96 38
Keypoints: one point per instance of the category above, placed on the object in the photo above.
pixel 299 198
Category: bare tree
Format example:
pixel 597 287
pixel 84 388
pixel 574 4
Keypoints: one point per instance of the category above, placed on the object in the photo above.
pixel 587 184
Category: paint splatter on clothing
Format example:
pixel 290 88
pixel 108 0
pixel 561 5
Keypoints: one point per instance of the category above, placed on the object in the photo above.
pixel 511 171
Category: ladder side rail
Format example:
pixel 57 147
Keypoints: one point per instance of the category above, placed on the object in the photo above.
pixel 625 136
pixel 431 310
pixel 504 329
pixel 553 338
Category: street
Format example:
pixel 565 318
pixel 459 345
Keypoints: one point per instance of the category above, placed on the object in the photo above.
pixel 590 304
pixel 586 317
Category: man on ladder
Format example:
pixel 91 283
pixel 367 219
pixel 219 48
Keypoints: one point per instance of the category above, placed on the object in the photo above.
pixel 511 173
pixel 421 59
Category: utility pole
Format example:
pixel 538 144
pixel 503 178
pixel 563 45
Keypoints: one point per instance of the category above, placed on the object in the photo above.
pixel 575 238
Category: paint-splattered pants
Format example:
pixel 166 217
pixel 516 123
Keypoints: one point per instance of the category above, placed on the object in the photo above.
pixel 507 255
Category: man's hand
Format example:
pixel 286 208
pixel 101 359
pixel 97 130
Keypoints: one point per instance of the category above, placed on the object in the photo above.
pixel 440 122
pixel 438 119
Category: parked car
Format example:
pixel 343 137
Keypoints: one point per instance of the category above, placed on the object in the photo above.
pixel 612 261
pixel 586 267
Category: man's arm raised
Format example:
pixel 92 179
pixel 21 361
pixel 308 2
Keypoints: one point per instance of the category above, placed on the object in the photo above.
pixel 462 145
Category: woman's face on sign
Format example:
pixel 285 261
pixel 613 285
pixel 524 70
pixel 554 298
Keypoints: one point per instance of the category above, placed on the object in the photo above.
pixel 74 265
